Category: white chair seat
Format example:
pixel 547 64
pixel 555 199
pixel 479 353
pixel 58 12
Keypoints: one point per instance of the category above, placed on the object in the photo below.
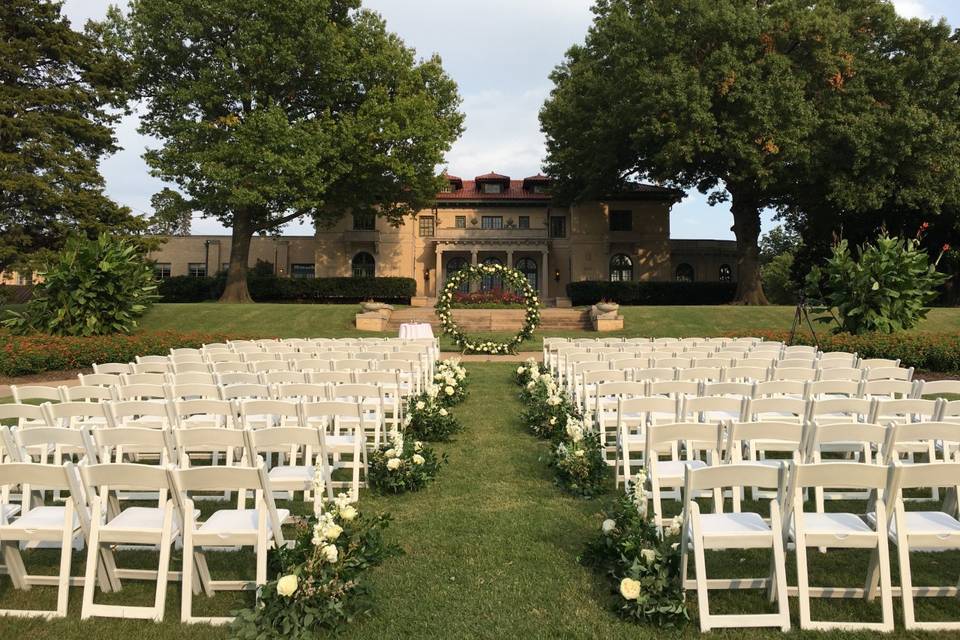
pixel 288 473
pixel 9 510
pixel 340 441
pixel 924 523
pixel 714 524
pixel 236 521
pixel 837 524
pixel 137 518
pixel 676 469
pixel 46 518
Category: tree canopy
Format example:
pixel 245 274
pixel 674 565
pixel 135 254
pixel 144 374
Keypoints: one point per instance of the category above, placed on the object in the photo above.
pixel 810 106
pixel 272 111
pixel 61 93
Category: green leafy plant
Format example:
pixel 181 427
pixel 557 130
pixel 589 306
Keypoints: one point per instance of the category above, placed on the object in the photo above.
pixel 427 418
pixel 885 288
pixel 317 582
pixel 777 280
pixel 578 461
pixel 403 465
pixel 94 287
pixel 545 406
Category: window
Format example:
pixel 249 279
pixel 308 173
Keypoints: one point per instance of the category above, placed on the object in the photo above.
pixel 426 226
pixel 491 283
pixel 621 268
pixel 302 271
pixel 161 270
pixel 364 265
pixel 454 265
pixel 523 222
pixel 726 273
pixel 528 267
pixel 492 187
pixel 558 227
pixel 541 188
pixel 460 222
pixel 364 222
pixel 685 273
pixel 197 270
pixel 491 222
pixel 621 221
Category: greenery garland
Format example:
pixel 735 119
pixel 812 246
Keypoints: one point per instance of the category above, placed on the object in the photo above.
pixel 511 277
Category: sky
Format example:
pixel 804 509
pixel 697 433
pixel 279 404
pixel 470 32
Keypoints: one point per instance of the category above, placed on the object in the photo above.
pixel 500 53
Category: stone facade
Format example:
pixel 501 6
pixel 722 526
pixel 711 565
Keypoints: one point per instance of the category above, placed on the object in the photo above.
pixel 489 219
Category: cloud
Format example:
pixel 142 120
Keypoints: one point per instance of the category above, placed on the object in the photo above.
pixel 912 9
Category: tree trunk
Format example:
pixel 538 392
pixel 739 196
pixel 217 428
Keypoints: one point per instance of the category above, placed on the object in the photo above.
pixel 236 290
pixel 746 227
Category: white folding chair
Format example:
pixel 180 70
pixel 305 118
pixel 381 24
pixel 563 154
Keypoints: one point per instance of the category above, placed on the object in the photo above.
pixel 667 439
pixel 632 417
pixel 300 445
pixel 341 433
pixel 737 530
pixel 258 528
pixel 840 530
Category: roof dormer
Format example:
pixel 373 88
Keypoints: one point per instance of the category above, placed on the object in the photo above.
pixel 537 184
pixel 454 183
pixel 492 183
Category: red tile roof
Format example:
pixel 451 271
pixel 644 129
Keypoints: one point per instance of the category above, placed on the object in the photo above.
pixel 467 190
pixel 514 191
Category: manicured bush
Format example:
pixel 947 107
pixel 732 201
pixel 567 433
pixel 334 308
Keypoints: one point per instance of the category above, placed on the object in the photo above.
pixel 651 293
pixel 93 287
pixel 273 289
pixel 36 353
pixel 929 351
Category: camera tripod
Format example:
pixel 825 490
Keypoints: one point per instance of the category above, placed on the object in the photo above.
pixel 801 314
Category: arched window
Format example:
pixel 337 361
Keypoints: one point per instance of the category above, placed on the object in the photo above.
pixel 491 283
pixel 685 273
pixel 364 266
pixel 528 267
pixel 454 265
pixel 726 273
pixel 621 268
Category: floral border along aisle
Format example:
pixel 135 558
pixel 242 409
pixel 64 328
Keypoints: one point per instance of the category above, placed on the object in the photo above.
pixel 510 277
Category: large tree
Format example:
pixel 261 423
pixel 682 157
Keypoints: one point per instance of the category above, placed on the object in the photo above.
pixel 751 101
pixel 61 93
pixel 268 112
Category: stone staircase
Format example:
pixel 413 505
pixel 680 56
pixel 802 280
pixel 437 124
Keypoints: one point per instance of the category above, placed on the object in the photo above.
pixel 495 320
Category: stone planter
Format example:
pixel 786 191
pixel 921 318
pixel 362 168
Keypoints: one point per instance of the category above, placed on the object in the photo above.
pixel 607 307
pixel 375 306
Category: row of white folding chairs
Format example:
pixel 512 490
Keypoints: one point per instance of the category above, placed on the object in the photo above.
pixel 406 382
pixel 266 362
pixel 557 359
pixel 788 524
pixel 351 344
pixel 92 518
pixel 598 392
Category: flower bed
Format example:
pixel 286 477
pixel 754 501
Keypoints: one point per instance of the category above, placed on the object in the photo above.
pixel 25 355
pixel 929 351
pixel 493 299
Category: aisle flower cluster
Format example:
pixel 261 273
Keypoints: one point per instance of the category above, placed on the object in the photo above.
pixel 403 465
pixel 451 378
pixel 319 584
pixel 426 417
pixel 642 563
pixel 576 450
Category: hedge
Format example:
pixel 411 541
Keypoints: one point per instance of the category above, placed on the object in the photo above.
pixel 651 293
pixel 25 355
pixel 274 289
pixel 938 352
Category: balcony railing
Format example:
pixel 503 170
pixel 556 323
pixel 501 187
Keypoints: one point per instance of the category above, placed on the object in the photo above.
pixel 480 234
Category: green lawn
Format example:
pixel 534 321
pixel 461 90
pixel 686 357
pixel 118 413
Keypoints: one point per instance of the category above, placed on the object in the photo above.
pixel 336 321
pixel 491 552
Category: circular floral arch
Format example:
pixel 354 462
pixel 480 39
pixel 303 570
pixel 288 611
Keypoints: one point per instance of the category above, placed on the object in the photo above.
pixel 510 277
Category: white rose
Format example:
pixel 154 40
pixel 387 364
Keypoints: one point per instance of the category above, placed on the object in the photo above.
pixel 608 526
pixel 348 513
pixel 330 553
pixel 648 555
pixel 629 589
pixel 393 464
pixel 676 525
pixel 448 390
pixel 287 585
pixel 553 420
pixel 332 532
pixel 421 405
pixel 520 370
pixel 531 384
pixel 391 453
pixel 418 459
pixel 443 412
pixel 417 446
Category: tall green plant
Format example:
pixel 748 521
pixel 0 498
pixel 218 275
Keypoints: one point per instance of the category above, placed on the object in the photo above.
pixel 886 288
pixel 95 287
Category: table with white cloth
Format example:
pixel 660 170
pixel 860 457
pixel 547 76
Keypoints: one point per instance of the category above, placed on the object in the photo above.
pixel 416 331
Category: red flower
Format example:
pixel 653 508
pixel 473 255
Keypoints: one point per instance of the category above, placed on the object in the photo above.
pixel 946 248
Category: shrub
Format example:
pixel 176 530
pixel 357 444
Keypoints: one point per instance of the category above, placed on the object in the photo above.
pixel 929 351
pixel 885 289
pixel 94 287
pixel 25 355
pixel 578 461
pixel 403 465
pixel 428 420
pixel 651 293
pixel 15 293
pixel 777 280
pixel 451 380
pixel 269 288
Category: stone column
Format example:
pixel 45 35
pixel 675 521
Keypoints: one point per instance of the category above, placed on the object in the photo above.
pixel 474 286
pixel 438 276
pixel 545 278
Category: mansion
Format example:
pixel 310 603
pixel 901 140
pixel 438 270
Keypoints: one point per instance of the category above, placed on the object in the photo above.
pixel 491 219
